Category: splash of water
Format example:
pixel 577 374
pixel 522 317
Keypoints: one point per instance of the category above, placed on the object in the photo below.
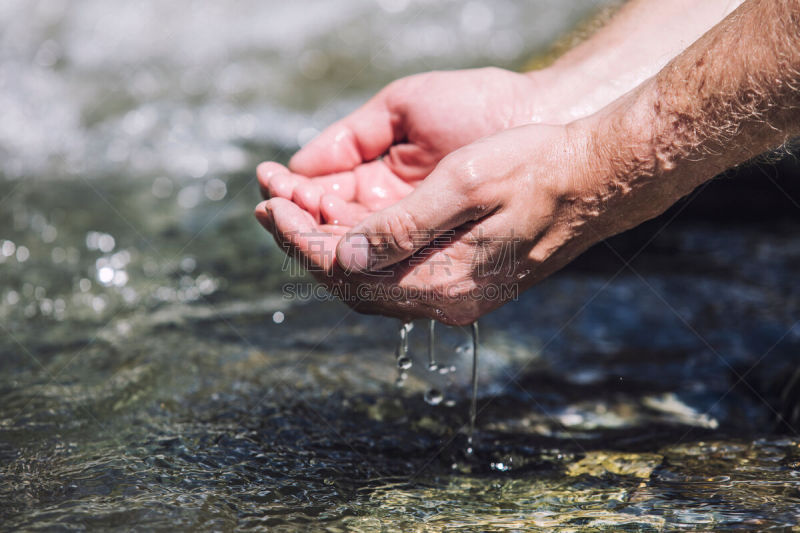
pixel 433 397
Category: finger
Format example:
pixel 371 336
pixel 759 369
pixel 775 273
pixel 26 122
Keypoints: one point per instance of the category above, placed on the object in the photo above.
pixel 342 184
pixel 264 217
pixel 339 231
pixel 307 196
pixel 283 185
pixel 298 233
pixel 362 136
pixel 377 187
pixel 411 161
pixel 336 211
pixel 395 233
pixel 265 172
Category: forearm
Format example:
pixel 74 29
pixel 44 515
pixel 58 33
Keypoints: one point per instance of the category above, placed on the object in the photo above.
pixel 642 37
pixel 732 95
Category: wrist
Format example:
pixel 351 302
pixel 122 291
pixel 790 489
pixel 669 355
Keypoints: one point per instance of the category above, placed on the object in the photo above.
pixel 628 169
pixel 571 91
pixel 560 95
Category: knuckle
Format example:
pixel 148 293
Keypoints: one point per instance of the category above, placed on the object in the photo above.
pixel 471 186
pixel 299 193
pixel 466 176
pixel 402 230
pixel 306 191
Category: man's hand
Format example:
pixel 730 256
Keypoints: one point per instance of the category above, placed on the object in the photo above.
pixel 379 153
pixel 491 220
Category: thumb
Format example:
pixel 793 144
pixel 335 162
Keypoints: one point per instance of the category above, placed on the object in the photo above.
pixel 361 136
pixel 395 233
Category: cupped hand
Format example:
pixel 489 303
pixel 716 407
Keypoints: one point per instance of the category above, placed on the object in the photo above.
pixel 492 219
pixel 379 153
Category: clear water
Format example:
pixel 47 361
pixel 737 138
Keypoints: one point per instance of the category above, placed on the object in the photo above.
pixel 152 376
pixel 433 366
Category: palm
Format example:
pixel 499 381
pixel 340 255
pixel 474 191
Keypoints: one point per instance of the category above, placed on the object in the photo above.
pixel 314 245
pixel 440 112
pixel 376 156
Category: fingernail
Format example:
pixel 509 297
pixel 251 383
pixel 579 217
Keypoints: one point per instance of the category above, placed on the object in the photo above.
pixel 354 252
pixel 264 216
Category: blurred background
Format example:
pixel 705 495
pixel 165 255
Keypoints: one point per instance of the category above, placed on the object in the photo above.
pixel 144 121
pixel 153 376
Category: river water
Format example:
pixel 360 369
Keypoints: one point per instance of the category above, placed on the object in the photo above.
pixel 153 376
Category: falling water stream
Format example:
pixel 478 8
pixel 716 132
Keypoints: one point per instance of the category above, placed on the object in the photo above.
pixel 434 396
pixel 432 365
pixel 473 402
pixel 402 359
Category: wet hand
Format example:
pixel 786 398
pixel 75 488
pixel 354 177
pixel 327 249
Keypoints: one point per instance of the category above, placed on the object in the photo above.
pixel 381 152
pixel 492 219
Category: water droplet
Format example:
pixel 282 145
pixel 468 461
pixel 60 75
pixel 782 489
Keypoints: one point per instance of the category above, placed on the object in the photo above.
pixel 23 254
pixel 105 275
pixel 49 234
pixel 401 353
pixel 500 467
pixel 206 285
pixel 189 197
pixel 120 278
pixel 188 264
pixel 215 189
pixel 105 243
pixel 7 248
pixel 98 304
pixel 433 397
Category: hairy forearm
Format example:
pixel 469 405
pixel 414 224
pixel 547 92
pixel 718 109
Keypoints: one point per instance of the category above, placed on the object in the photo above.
pixel 642 37
pixel 732 95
